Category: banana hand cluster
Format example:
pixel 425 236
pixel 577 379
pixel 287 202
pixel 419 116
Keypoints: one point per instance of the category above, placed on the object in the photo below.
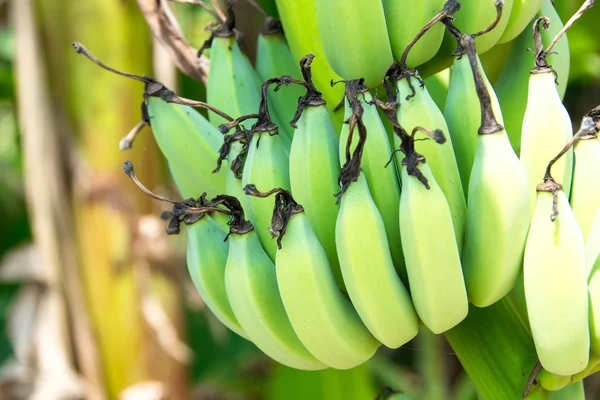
pixel 406 213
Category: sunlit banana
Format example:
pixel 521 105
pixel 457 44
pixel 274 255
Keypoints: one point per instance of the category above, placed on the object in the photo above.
pixel 404 19
pixel 375 289
pixel 433 264
pixel 438 86
pixel 315 166
pixel 522 13
pixel 585 192
pixel 186 139
pixel 274 58
pixel 251 285
pixel 299 20
pixel 546 125
pixel 512 86
pixel 323 319
pixel 421 110
pixel 267 165
pixel 592 254
pixel 555 276
pixel 487 14
pixel 499 215
pixel 206 251
pixel 355 38
pixel 555 286
pixel 553 382
pixel 382 180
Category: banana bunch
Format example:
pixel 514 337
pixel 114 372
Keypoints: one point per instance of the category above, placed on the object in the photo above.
pixel 320 241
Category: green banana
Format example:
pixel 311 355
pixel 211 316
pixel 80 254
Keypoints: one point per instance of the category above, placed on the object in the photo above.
pixel 553 382
pixel 404 19
pixel 512 86
pixel 329 327
pixel 546 124
pixel 594 295
pixel 375 289
pixel 421 110
pixel 555 286
pixel 585 192
pixel 383 181
pixel 498 215
pixel 521 15
pixel 438 86
pixel 314 166
pixel 189 143
pixel 206 259
pixel 573 391
pixel 463 124
pixel 251 284
pixel 299 20
pixel 355 38
pixel 274 58
pixel 267 165
pixel 435 274
pixel 487 13
pixel 186 139
pixel 233 85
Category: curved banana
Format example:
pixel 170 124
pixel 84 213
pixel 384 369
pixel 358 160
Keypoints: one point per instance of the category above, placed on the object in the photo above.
pixel 521 15
pixel 498 216
pixel 355 38
pixel 375 289
pixel 274 58
pixel 555 286
pixel 512 86
pixel 383 181
pixel 463 116
pixel 189 143
pixel 435 274
pixel 299 20
pixel 487 14
pixel 585 191
pixel 438 86
pixel 373 285
pixel 592 259
pixel 206 260
pixel 251 283
pixel 314 166
pixel 404 19
pixel 421 110
pixel 546 126
pixel 267 165
pixel 553 382
pixel 323 319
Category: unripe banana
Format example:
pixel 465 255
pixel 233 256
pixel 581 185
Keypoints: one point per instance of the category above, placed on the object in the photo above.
pixel 436 281
pixel 206 260
pixel 574 391
pixel 355 39
pixel 190 143
pixel 421 110
pixel 314 166
pixel 382 180
pixel 438 86
pixel 555 286
pixel 553 382
pixel 375 289
pixel 324 320
pixel 274 58
pixel 522 13
pixel 585 192
pixel 404 19
pixel 251 283
pixel 498 215
pixel 594 298
pixel 299 20
pixel 487 14
pixel 546 129
pixel 463 124
pixel 512 86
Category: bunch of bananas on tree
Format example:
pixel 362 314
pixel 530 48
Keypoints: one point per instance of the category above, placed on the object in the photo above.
pixel 333 206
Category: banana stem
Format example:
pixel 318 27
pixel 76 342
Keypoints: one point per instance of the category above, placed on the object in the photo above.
pixel 450 8
pixel 489 124
pixel 499 8
pixel 313 97
pixel 285 208
pixel 264 123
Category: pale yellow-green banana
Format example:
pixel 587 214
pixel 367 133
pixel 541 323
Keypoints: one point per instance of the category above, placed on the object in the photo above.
pixel 521 15
pixel 585 191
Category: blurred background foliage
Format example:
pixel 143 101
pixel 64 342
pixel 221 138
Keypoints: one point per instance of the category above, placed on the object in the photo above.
pixel 148 333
